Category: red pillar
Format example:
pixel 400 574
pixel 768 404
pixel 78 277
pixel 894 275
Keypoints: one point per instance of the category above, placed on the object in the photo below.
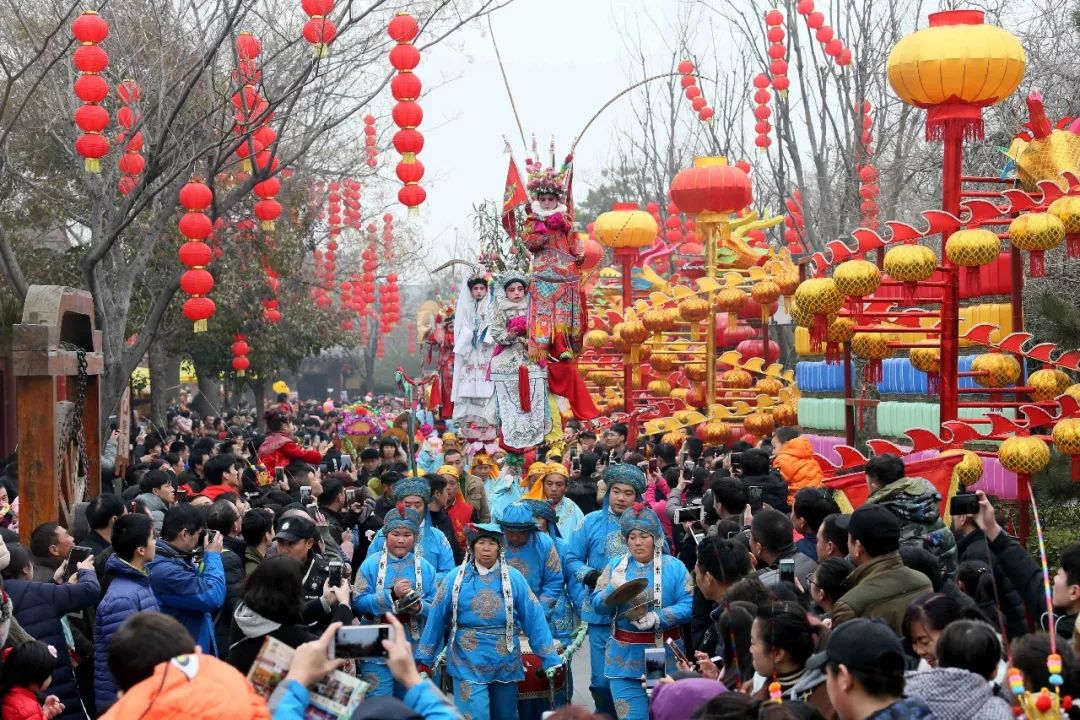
pixel 627 256
pixel 950 300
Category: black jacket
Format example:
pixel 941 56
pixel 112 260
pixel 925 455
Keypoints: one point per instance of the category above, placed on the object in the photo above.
pixel 774 491
pixel 95 542
pixel 441 520
pixel 232 561
pixel 246 637
pixel 973 546
pixel 1026 576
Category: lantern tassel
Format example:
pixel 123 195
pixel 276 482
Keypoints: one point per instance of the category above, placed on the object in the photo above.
pixel 414 211
pixel 733 320
pixel 239 373
pixel 268 225
pixel 92 165
pixel 833 353
pixel 1037 263
pixel 872 374
pixel 200 326
pixel 819 330
pixel 933 382
pixel 1075 467
pixel 524 389
pixel 910 290
pixel 1072 246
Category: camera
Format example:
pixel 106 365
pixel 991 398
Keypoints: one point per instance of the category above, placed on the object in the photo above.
pixel 360 641
pixel 964 504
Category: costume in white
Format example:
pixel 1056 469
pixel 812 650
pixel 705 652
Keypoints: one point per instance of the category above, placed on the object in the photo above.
pixel 473 391
pixel 520 384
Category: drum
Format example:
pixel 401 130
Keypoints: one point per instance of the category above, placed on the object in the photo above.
pixel 535 685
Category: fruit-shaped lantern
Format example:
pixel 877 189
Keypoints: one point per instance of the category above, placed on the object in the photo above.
pixel 820 297
pixel 1046 384
pixel 596 339
pixel 696 371
pixel 971 249
pixel 857 278
pixel 873 348
pixel 693 309
pixel 655 320
pixel 786 414
pixel 764 293
pixel 1036 233
pixel 659 388
pixel 928 360
pixel 911 265
pixel 996 370
pixel 1024 455
pixel 736 379
pixel 731 300
pixel 969 470
pixel 714 433
pixel 1066 437
pixel 625 227
pixel 662 363
pixel 759 424
pixel 841 330
pixel 769 386
pixel 634 332
pixel 1067 210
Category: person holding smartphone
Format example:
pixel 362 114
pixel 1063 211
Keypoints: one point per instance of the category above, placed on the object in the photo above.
pixel 279 448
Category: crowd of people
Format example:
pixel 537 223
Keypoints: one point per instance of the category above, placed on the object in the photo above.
pixel 701 582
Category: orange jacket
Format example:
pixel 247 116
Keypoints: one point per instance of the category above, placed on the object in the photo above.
pixel 797 466
pixel 194 687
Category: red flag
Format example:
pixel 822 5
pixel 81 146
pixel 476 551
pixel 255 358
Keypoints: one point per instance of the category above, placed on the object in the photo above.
pixel 514 195
pixel 938 470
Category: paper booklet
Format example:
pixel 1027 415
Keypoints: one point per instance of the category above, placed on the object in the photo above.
pixel 334 698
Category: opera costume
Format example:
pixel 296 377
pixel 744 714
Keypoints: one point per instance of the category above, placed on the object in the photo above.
pixel 477 613
pixel 537 558
pixel 378 591
pixel 434 547
pixel 592 549
pixel 473 391
pixel 520 384
pixel 568 515
pixel 670 592
pixel 504 489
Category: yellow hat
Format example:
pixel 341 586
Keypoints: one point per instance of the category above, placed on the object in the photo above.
pixel 449 436
pixel 536 492
pixel 449 470
pixel 555 468
pixel 483 459
pixel 537 468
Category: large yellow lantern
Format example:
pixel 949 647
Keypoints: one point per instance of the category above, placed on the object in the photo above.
pixel 659 388
pixel 693 309
pixel 1066 436
pixel 737 379
pixel 769 386
pixel 765 293
pixel 1067 210
pixel 911 265
pixel 1036 233
pixel 928 360
pixel 872 347
pixel 662 363
pixel 820 298
pixel 971 249
pixel 1024 455
pixel 696 371
pixel 625 226
pixel 655 320
pixel 954 68
pixel 1046 384
pixel 759 424
pixel 634 332
pixel 1000 370
pixel 714 433
pixel 596 338
pixel 786 415
pixel 731 300
pixel 857 278
pixel 969 470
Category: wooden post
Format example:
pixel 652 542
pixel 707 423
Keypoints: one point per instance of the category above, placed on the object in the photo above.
pixel 55 320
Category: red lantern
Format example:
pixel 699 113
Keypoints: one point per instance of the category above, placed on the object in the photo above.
pixel 90 29
pixel 199 310
pixel 248 46
pixel 805 7
pixel 685 67
pixel 407 115
pixel 320 32
pixel 776 51
pixel 404 57
pixel 844 58
pixel 90 59
pixel 815 21
pixel 92 148
pixel 761 81
pixel 240 364
pixel 834 47
pixel 781 83
pixel 824 34
pixel 195 225
pixel 687 81
pixel 775 35
pixel 411 196
pixel 712 188
pixel 405 86
pixel 196 196
pixel 268 211
pixel 693 92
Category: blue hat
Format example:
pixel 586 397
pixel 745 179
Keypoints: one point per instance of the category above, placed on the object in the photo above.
pixel 624 474
pixel 475 531
pixel 542 509
pixel 412 486
pixel 518 516
pixel 401 518
pixel 641 517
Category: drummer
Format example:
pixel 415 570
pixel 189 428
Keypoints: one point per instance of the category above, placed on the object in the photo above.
pixel 470 615
pixel 592 548
pixel 534 555
pixel 670 596
pixel 396 580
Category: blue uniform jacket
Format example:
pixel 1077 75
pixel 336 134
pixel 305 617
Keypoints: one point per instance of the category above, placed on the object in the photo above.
pixel 565 618
pixel 596 544
pixel 187 592
pixel 128 593
pixel 538 561
pixel 434 545
pixel 368 602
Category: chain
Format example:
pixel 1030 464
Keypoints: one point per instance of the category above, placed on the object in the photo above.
pixel 73 427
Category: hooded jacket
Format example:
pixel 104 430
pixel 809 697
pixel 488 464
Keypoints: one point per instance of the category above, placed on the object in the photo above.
pixel 956 694
pixel 249 630
pixel 914 501
pixel 188 592
pixel 797 466
pixel 21 704
pixel 129 592
pixel 156 506
pixel 908 708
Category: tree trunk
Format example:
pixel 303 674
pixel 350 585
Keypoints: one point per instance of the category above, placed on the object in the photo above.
pixel 164 382
pixel 208 401
pixel 258 387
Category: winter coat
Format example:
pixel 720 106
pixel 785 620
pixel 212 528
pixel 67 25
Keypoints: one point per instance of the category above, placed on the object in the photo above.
pixel 956 694
pixel 915 502
pixel 21 704
pixel 974 546
pixel 156 506
pixel 804 567
pixel 249 629
pixel 193 687
pixel 278 450
pixel 797 466
pixel 188 592
pixel 129 592
pixel 39 608
pixel 882 588
pixel 232 562
pixel 904 709
pixel 252 559
pixel 774 490
pixel 1025 574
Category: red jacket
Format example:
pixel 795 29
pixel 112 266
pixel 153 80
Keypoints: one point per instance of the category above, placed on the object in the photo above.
pixel 215 491
pixel 278 450
pixel 461 514
pixel 21 704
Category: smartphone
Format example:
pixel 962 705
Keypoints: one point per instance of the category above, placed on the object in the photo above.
pixel 305 494
pixel 964 504
pixel 610 457
pixel 279 474
pixel 575 464
pixel 690 513
pixel 679 656
pixel 350 495
pixel 307 441
pixel 324 468
pixel 211 536
pixel 754 492
pixel 313 510
pixel 75 556
pixel 654 466
pixel 787 570
pixel 335 573
pixel 655 666
pixel 181 496
pixel 360 641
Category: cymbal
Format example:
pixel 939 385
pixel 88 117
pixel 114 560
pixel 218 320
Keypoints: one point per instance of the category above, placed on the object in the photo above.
pixel 626 592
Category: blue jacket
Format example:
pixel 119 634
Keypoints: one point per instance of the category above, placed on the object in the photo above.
pixel 433 545
pixel 290 700
pixel 189 593
pixel 128 593
pixel 593 547
pixel 39 607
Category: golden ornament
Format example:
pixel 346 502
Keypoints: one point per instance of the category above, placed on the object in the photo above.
pixel 972 248
pixel 659 388
pixel 693 309
pixel 1024 455
pixel 819 296
pixel 910 263
pixel 857 278
pixel 1001 370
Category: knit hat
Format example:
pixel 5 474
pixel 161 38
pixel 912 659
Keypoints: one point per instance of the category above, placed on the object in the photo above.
pixel 475 531
pixel 623 474
pixel 449 470
pixel 401 518
pixel 516 517
pixel 412 486
pixel 641 517
pixel 542 510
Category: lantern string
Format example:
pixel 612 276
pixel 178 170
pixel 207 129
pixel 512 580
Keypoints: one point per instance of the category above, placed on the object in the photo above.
pixel 611 102
pixel 506 84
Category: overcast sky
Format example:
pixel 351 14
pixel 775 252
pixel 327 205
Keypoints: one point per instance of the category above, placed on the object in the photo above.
pixel 564 60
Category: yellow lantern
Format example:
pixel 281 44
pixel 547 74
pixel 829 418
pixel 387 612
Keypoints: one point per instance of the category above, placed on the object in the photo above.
pixel 1045 385
pixel 659 388
pixel 601 378
pixel 1067 210
pixel 969 470
pixel 821 298
pixel 1001 370
pixel 662 363
pixel 769 386
pixel 596 338
pixel 954 68
pixel 634 332
pixel 857 278
pixel 1066 437
pixel 841 330
pixel 736 379
pixel 765 293
pixel 714 433
pixel 802 318
pixel 675 437
pixel 759 424
pixel 1024 455
pixel 731 300
pixel 872 347
pixel 625 227
pixel 696 371
pixel 1045 158
pixel 644 352
pixel 928 360
pixel 693 309
pixel 971 249
pixel 680 393
pixel 911 265
pixel 786 415
pixel 655 320
pixel 1073 391
pixel 672 316
pixel 1036 233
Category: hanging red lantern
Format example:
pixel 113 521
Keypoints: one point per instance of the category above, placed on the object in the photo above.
pixel 407 114
pixel 268 211
pixel 248 46
pixel 319 30
pixel 90 29
pixel 774 18
pixel 685 67
pixel 195 225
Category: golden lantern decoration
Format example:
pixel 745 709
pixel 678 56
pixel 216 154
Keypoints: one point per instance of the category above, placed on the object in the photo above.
pixel 696 372
pixel 672 317
pixel 857 278
pixel 969 470
pixel 1000 370
pixel 731 300
pixel 1036 233
pixel 911 265
pixel 954 68
pixel 737 379
pixel 971 249
pixel 680 393
pixel 693 309
pixel 659 388
pixel 675 437
pixel 769 386
pixel 714 433
pixel 873 348
pixel 596 338
pixel 662 363
pixel 928 360
pixel 765 293
pixel 1067 210
pixel 644 352
pixel 625 227
pixel 634 332
pixel 1045 385
pixel 655 320
pixel 802 318
pixel 786 414
pixel 601 378
pixel 821 298
pixel 1066 437
pixel 1024 455
pixel 1073 391
pixel 759 424
pixel 841 330
pixel 698 397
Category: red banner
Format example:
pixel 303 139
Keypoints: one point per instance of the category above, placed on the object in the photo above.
pixel 938 470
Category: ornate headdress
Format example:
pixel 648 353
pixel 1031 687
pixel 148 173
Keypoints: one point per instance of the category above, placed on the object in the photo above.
pixel 449 470
pixel 547 181
pixel 513 276
pixel 517 516
pixel 624 474
pixel 412 486
pixel 641 517
pixel 401 518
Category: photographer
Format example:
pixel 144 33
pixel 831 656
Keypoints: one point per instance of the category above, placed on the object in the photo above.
pixel 763 486
pixel 772 543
